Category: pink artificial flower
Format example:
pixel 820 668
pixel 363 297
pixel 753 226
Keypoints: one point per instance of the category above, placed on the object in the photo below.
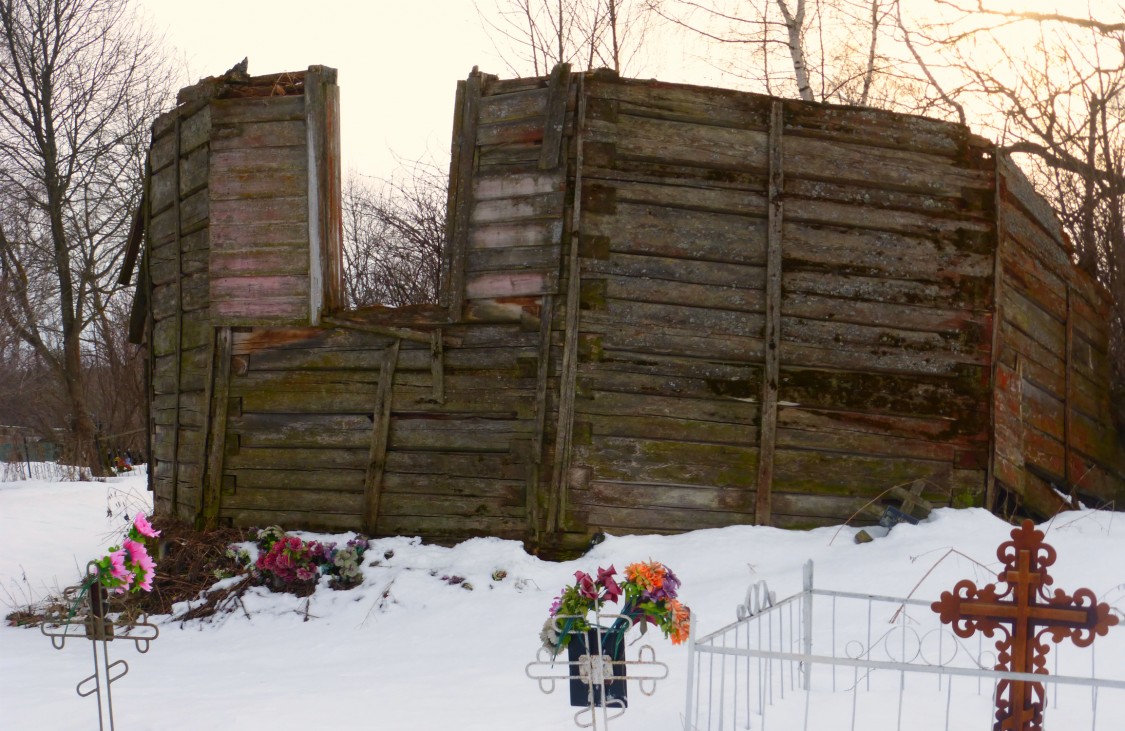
pixel 140 522
pixel 144 564
pixel 119 571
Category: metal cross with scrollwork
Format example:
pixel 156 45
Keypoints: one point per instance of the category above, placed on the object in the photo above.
pixel 94 624
pixel 598 671
pixel 1025 612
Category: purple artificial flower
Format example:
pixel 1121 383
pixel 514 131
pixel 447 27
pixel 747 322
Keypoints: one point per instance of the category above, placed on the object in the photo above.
pixel 555 605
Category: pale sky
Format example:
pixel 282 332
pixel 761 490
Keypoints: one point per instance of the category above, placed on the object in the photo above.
pixel 398 61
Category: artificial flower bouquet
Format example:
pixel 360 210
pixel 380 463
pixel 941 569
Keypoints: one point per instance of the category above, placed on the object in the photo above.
pixel 128 567
pixel 647 595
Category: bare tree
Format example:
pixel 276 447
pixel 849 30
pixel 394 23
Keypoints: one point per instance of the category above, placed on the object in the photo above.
pixel 79 82
pixel 394 233
pixel 534 35
pixel 817 50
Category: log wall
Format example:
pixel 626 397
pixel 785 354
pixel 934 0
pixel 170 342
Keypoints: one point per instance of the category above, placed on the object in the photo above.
pixel 1054 430
pixel 664 308
pixel 238 232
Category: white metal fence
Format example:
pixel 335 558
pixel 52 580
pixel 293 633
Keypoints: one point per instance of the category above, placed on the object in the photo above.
pixel 840 660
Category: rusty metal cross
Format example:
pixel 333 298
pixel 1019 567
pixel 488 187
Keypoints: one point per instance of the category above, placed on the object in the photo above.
pixel 1025 612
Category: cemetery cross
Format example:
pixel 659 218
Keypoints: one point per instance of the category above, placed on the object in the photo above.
pixel 1025 612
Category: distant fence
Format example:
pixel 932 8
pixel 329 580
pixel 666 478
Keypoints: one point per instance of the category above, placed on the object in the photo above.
pixel 828 659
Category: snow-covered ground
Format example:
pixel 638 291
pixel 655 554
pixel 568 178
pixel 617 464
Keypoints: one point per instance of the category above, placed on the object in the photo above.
pixel 409 650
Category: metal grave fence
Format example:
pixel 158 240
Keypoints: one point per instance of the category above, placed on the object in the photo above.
pixel 856 662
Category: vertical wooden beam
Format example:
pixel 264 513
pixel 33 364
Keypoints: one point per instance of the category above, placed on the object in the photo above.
pixel 322 129
pixel 215 444
pixel 437 365
pixel 1068 401
pixel 772 366
pixel 380 434
pixel 150 355
pixel 460 206
pixel 990 496
pixel 179 315
pixel 542 381
pixel 558 89
pixel 556 501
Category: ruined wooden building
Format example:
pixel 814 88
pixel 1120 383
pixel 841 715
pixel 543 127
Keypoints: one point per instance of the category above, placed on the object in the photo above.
pixel 664 308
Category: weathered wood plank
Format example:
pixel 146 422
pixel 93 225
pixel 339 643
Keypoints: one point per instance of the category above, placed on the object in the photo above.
pixel 257 109
pixel 240 186
pixel 509 107
pixel 259 210
pixel 258 134
pixel 263 160
pixel 679 234
pixel 528 233
pixel 380 431
pixel 558 92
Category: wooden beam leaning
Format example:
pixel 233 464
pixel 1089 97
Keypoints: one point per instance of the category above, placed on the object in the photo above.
pixel 1068 399
pixel 997 324
pixel 322 111
pixel 772 367
pixel 380 434
pixel 461 192
pixel 437 365
pixel 179 315
pixel 558 89
pixel 149 328
pixel 556 499
pixel 215 444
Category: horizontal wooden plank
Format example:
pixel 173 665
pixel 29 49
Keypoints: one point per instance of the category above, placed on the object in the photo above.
pixel 280 458
pixel 289 236
pixel 620 520
pixel 280 184
pixel 825 473
pixel 655 270
pixel 521 131
pixel 544 205
pixel 840 161
pixel 969 293
pixel 490 187
pixel 654 495
pixel 961 400
pixel 653 460
pixel 510 491
pixel 512 106
pixel 664 427
pixel 541 258
pixel 321 501
pixel 880 128
pixel 693 104
pixel 678 234
pixel 478 465
pixel 260 312
pixel 264 160
pixel 258 211
pixel 616 335
pixel 255 263
pixel 444 530
pixel 292 519
pixel 510 284
pixel 470 507
pixel 258 109
pixel 529 233
pixel 259 134
pixel 887 253
pixel 682 142
pixel 665 376
pixel 601 293
pixel 933 351
pixel 313 476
